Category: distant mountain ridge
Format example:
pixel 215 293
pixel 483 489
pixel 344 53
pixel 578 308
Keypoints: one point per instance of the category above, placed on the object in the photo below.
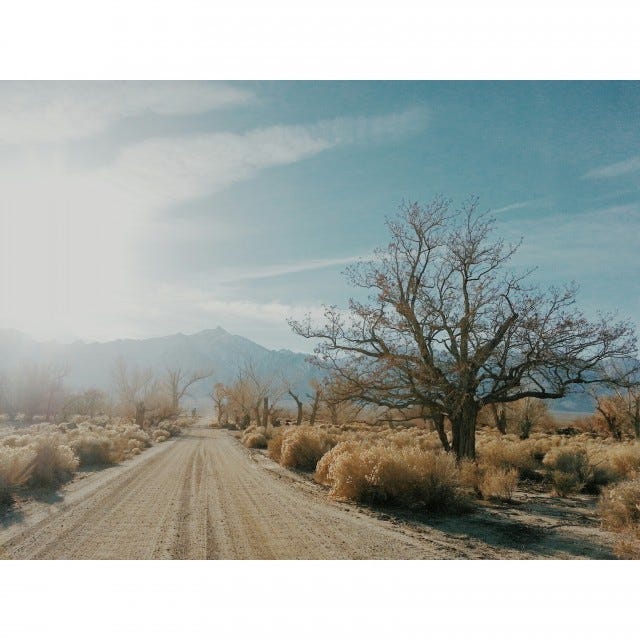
pixel 90 363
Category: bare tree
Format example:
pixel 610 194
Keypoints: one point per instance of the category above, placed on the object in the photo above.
pixel 36 389
pixel 449 327
pixel 265 389
pixel 134 387
pixel 178 382
pixel 220 396
pixel 315 400
pixel 299 405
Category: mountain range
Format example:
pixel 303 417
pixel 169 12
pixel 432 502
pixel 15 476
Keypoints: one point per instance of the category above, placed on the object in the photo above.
pixel 90 364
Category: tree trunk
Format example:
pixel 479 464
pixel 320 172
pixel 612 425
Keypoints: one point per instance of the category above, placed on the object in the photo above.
pixel 438 421
pixel 463 424
pixel 265 412
pixel 500 418
pixel 140 410
pixel 299 405
pixel 314 408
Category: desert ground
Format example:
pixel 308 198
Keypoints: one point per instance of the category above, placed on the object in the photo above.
pixel 205 496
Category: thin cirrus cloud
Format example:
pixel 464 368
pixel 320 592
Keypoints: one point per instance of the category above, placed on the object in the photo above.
pixel 40 112
pixel 164 170
pixel 274 270
pixel 615 170
pixel 82 227
pixel 525 204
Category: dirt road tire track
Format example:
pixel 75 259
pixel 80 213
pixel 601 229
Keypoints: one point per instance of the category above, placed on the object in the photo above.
pixel 203 496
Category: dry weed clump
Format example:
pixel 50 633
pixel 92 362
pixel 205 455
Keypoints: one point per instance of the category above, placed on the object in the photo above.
pixel 407 476
pixel 302 447
pixel 54 451
pixel 619 510
pixel 274 445
pixel 54 462
pixel 619 506
pixel 15 470
pixel 92 449
pixel 624 459
pixel 505 453
pixel 160 435
pixel 255 438
pixel 569 468
pixel 489 482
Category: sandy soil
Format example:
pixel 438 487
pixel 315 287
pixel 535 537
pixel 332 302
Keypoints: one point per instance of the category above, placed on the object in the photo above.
pixel 203 496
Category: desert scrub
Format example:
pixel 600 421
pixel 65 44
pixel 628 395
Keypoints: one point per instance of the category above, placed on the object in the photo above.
pixel 624 458
pixel 302 447
pixel 406 476
pixel 92 449
pixel 53 464
pixel 568 468
pixel 489 482
pixel 15 470
pixel 619 510
pixel 255 438
pixel 274 445
pixel 505 453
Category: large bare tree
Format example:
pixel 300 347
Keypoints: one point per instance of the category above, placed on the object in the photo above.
pixel 450 328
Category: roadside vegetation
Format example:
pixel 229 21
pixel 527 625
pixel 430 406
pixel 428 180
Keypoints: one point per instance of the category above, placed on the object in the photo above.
pixel 405 465
pixel 45 455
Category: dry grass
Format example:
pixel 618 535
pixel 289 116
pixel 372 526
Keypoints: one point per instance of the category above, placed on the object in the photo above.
pixel 15 470
pixel 45 455
pixel 255 439
pixel 54 462
pixel 489 482
pixel 379 474
pixel 619 510
pixel 302 447
pixel 507 454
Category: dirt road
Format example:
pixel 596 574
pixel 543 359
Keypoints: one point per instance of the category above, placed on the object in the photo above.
pixel 205 496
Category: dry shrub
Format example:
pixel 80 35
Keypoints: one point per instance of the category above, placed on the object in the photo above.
pixel 625 459
pixel 498 483
pixel 160 435
pixel 619 506
pixel 92 449
pixel 254 440
pixel 569 468
pixel 274 446
pixel 619 510
pixel 489 482
pixel 507 454
pixel 323 467
pixel 53 464
pixel 15 470
pixel 302 447
pixel 174 427
pixel 407 476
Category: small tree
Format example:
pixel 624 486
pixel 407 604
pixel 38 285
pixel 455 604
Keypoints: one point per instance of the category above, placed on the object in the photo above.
pixel 177 382
pixel 220 397
pixel 134 388
pixel 450 328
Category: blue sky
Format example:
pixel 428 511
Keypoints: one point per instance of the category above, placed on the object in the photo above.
pixel 141 209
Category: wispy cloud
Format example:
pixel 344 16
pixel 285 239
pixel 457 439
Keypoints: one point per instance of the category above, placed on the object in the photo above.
pixel 41 112
pixel 524 204
pixel 75 233
pixel 274 270
pixel 177 168
pixel 625 167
